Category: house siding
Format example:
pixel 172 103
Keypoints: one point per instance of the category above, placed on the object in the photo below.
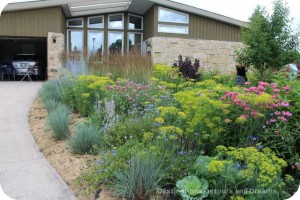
pixel 32 23
pixel 149 25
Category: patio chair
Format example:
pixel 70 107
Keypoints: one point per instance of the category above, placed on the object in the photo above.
pixel 29 73
pixel 8 71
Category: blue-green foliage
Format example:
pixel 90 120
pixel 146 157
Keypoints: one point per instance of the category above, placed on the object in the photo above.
pixel 58 121
pixel 86 139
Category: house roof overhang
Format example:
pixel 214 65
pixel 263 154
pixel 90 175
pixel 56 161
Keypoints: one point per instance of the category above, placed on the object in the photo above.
pixel 75 8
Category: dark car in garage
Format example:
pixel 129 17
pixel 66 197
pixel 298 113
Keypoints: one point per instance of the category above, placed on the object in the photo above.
pixel 31 63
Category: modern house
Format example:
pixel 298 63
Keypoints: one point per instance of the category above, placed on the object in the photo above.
pixel 161 27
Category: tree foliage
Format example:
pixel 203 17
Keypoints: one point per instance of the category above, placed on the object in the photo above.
pixel 268 39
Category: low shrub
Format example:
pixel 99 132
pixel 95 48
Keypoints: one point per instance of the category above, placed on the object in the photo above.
pixel 50 90
pixel 188 69
pixel 86 139
pixel 58 121
pixel 130 128
pixel 141 181
pixel 111 160
pixel 51 105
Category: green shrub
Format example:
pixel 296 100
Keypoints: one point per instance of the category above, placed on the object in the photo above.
pixel 86 139
pixel 50 90
pixel 112 160
pixel 67 90
pixel 141 181
pixel 51 105
pixel 129 128
pixel 58 121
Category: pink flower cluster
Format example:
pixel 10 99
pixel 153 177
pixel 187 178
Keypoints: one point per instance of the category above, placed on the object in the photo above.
pixel 261 89
pixel 280 116
pixel 121 87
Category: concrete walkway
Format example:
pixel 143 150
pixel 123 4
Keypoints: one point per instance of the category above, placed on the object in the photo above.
pixel 25 174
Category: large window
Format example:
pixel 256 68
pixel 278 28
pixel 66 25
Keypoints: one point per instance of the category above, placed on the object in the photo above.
pixel 115 42
pixel 135 41
pixel 75 40
pixel 96 22
pixel 167 15
pixel 76 23
pixel 135 22
pixel 164 28
pixel 116 21
pixel 171 21
pixel 95 42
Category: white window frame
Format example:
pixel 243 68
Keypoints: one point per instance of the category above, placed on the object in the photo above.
pixel 108 40
pixel 82 24
pixel 78 30
pixel 102 39
pixel 142 25
pixel 134 33
pixel 172 25
pixel 174 11
pixel 88 21
pixel 122 21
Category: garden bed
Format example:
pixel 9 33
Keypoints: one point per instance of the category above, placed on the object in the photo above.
pixel 171 136
pixel 69 166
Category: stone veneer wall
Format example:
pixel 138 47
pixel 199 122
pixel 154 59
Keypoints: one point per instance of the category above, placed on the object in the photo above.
pixel 54 51
pixel 213 55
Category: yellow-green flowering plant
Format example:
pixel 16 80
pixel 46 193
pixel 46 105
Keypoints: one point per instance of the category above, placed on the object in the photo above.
pixel 234 170
pixel 87 89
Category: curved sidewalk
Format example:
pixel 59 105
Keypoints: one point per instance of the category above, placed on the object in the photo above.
pixel 25 174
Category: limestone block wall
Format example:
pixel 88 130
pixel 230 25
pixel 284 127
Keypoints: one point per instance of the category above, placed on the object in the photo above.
pixel 213 55
pixel 54 50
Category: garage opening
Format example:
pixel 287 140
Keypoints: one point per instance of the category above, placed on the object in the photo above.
pixel 22 54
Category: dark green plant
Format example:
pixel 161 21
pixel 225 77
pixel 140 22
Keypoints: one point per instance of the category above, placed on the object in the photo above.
pixel 110 161
pixel 87 139
pixel 67 85
pixel 141 181
pixel 269 40
pixel 50 90
pixel 192 188
pixel 59 121
pixel 129 128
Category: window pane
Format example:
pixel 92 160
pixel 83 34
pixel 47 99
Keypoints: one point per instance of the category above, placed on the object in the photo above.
pixel 115 42
pixel 75 41
pixel 96 22
pixel 95 42
pixel 166 15
pixel 115 22
pixel 173 29
pixel 75 23
pixel 135 22
pixel 135 41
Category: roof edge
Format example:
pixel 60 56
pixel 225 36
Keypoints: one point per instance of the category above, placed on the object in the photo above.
pixel 199 11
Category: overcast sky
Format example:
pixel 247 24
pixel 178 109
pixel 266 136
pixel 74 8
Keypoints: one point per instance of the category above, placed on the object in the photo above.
pixel 242 9
pixel 237 9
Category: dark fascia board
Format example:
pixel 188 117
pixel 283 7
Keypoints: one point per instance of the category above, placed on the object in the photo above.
pixel 137 6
